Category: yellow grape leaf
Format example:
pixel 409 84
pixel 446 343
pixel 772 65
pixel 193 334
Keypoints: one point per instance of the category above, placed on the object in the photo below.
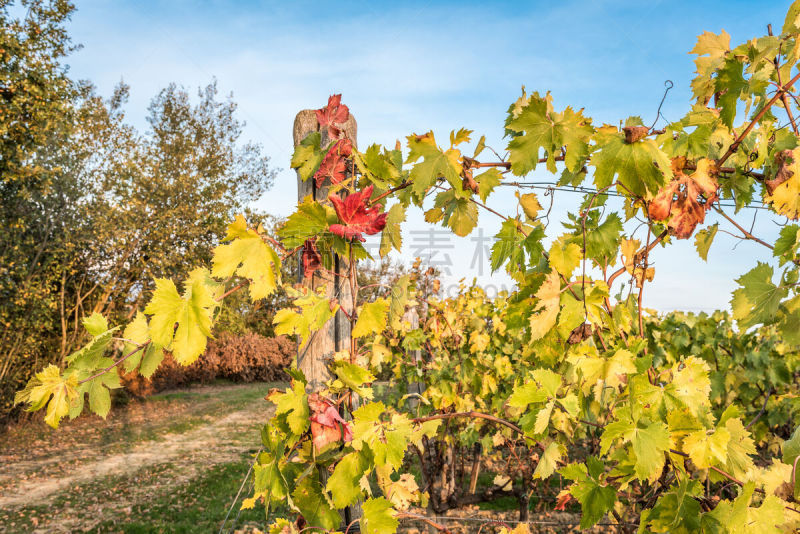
pixel 248 256
pixel 530 205
pixel 783 192
pixel 690 384
pixel 478 341
pixel 403 493
pixel 191 312
pixel 544 318
pixel 706 449
pixel 564 258
pixel 49 385
pixel 371 318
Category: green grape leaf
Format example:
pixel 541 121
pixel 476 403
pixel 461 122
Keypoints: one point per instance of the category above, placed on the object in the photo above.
pixel 95 324
pixel 399 300
pixel 247 255
pixel 507 245
pixel 786 245
pixel 392 238
pixel 641 167
pixel 146 358
pixel 343 484
pixel 703 240
pixel 308 155
pixel 525 394
pixel 549 459
pixel 293 403
pixel 309 220
pixel 690 386
pixel 648 442
pixel 730 84
pixel 540 128
pixel 353 376
pixel 435 163
pixel 487 181
pixel 741 518
pixel 312 504
pixel 372 318
pixel 377 517
pixel 192 313
pixel 758 299
pixel 99 394
pixel 88 357
pixel 596 500
pixel 791 447
pixel 313 310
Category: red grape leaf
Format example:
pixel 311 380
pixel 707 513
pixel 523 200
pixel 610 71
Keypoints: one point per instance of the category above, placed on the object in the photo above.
pixel 335 113
pixel 334 164
pixel 311 258
pixel 356 214
pixel 327 426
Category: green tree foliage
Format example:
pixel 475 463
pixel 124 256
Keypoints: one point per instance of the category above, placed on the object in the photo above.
pixel 92 209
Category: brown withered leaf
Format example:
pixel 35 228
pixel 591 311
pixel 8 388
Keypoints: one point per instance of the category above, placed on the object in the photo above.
pixel 635 133
pixel 685 199
pixel 579 333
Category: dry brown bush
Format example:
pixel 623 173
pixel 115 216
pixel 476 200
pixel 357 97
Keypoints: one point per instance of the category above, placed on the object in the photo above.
pixel 236 357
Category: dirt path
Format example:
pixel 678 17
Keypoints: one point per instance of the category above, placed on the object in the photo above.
pixel 172 438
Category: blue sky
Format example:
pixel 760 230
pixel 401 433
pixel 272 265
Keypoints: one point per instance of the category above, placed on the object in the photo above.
pixel 414 66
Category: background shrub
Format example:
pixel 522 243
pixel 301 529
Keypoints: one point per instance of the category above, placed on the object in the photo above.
pixel 247 357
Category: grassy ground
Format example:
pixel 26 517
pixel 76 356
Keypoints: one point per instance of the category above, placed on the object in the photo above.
pixel 171 463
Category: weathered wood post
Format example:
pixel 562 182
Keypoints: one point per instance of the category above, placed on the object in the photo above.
pixel 335 335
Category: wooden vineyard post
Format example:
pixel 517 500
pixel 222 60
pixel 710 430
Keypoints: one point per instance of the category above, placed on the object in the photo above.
pixel 335 336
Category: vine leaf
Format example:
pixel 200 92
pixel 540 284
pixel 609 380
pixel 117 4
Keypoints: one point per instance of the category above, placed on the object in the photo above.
pixel 787 244
pixel 546 311
pixel 641 167
pixel 49 387
pixel 703 240
pixel 191 312
pixel 649 442
pixel 307 222
pixel 783 192
pixel 312 504
pixel 377 517
pixel 308 155
pixel 706 449
pixel 539 128
pixel 549 459
pixel 148 358
pixel 371 318
pixel 333 116
pixel 392 238
pixel 247 255
pixel 312 310
pixel 357 215
pixel 343 484
pixel 758 299
pixel 435 163
pixel 292 406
